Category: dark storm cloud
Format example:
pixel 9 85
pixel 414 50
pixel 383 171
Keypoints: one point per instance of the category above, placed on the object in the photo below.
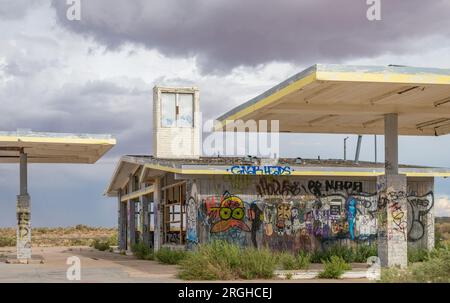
pixel 228 33
pixel 106 107
pixel 94 106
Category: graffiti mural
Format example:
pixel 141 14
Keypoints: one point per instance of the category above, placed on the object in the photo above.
pixel 191 234
pixel 306 224
pixel 294 215
pixel 259 170
pixel 289 225
pixel 226 218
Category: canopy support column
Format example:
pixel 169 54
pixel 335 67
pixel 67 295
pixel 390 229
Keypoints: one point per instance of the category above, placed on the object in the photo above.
pixel 156 213
pixel 122 224
pixel 145 235
pixel 23 213
pixel 392 204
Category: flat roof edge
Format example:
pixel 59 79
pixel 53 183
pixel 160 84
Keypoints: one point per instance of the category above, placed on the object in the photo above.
pixel 310 70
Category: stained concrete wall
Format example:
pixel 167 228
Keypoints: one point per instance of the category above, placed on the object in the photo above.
pixel 298 213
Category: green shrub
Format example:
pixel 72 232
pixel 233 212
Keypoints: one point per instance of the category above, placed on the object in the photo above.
pixel 342 251
pixel 142 251
pixel 113 240
pixel 101 245
pixel 317 256
pixel 256 264
pixel 170 256
pixel 334 268
pixel 291 262
pixel 417 255
pixel 198 266
pixel 360 254
pixel 303 260
pixel 287 261
pixel 220 260
pixel 214 261
pixel 7 241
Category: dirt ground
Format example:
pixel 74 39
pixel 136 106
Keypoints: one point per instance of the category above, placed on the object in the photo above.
pixel 97 266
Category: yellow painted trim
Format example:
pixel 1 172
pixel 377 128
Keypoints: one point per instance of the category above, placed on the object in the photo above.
pixel 56 140
pixel 270 99
pixel 293 173
pixel 412 174
pixel 386 78
pixel 164 168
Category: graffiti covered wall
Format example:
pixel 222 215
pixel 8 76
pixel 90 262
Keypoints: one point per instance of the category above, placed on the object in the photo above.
pixel 292 213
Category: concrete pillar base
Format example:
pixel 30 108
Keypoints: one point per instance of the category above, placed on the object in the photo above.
pixel 23 227
pixel 392 221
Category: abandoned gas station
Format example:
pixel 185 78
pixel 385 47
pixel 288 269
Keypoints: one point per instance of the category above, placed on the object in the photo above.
pixel 180 199
pixel 25 146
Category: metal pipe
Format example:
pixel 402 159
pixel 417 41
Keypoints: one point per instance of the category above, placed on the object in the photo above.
pixel 345 148
pixel 358 148
pixel 391 144
pixel 375 138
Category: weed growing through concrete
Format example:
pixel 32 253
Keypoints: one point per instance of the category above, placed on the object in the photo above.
pixel 334 268
pixel 288 261
pixel 142 251
pixel 358 254
pixel 171 256
pixel 220 260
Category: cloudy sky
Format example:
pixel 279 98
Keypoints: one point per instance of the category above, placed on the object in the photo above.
pixel 96 75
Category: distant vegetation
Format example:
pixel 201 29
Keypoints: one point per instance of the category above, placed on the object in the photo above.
pixel 442 229
pixel 79 235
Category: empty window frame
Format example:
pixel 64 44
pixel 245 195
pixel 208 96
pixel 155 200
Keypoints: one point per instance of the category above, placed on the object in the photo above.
pixel 177 110
pixel 175 214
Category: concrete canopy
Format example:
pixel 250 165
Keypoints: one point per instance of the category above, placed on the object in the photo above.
pixel 353 100
pixel 42 147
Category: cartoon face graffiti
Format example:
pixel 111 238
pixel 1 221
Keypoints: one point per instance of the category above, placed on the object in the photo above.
pixel 231 213
pixel 283 215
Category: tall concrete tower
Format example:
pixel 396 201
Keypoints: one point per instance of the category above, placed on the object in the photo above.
pixel 176 122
